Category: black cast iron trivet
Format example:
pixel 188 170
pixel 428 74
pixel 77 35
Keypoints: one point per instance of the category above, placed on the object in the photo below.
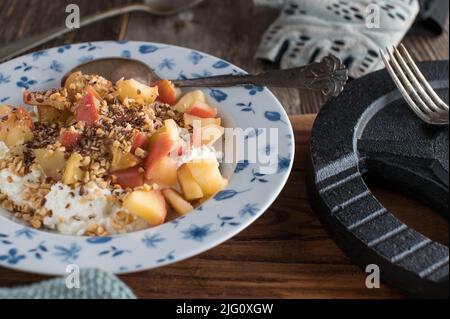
pixel 369 128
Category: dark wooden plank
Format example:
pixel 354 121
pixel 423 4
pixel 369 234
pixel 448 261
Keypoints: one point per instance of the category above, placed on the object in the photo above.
pixel 429 48
pixel 285 254
pixel 25 18
pixel 228 29
pixel 232 32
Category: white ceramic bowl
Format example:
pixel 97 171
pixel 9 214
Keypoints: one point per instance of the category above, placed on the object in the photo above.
pixel 247 196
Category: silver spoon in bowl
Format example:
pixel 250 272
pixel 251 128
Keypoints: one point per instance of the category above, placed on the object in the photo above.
pixel 327 76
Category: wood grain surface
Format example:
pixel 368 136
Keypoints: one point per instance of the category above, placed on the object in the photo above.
pixel 285 254
pixel 230 29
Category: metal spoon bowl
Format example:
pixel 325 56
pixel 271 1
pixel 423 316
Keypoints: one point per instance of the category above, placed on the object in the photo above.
pixel 328 76
pixel 114 69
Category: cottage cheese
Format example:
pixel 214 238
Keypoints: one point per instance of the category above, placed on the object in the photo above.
pixel 72 213
pixel 15 186
pixel 204 152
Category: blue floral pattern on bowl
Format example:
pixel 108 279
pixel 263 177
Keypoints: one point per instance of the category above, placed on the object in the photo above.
pixel 247 196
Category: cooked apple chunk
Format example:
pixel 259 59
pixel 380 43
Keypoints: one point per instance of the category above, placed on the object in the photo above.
pixel 168 93
pixel 190 120
pixel 87 109
pixel 5 110
pixel 5 124
pixel 191 189
pixel 130 177
pixel 132 89
pixel 177 202
pixel 123 160
pixel 73 173
pixel 189 99
pixel 15 128
pixel 69 139
pixel 141 141
pixel 202 110
pixel 48 114
pixel 170 129
pixel 149 205
pixel 52 163
pixel 207 174
pixel 165 172
pixel 162 146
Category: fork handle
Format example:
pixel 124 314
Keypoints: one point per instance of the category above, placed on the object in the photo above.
pixel 328 76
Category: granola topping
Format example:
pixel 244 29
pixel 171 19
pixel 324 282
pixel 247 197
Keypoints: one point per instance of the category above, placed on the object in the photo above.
pixel 99 158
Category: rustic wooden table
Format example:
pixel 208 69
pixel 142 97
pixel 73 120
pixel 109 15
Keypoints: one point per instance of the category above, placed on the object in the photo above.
pixel 286 253
pixel 230 29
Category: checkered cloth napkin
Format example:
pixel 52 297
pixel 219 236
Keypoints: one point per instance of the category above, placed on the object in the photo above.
pixel 94 284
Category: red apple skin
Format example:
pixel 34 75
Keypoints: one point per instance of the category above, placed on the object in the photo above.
pixel 183 148
pixel 87 111
pixel 196 138
pixel 160 148
pixel 167 92
pixel 25 96
pixel 130 177
pixel 140 141
pixel 202 110
pixel 69 139
pixel 23 115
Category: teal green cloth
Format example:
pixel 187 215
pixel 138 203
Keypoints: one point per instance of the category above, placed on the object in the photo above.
pixel 94 284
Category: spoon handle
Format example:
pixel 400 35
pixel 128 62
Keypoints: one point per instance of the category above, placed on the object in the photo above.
pixel 327 76
pixel 9 51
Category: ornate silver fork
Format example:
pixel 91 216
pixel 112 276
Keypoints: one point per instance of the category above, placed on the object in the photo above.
pixel 416 90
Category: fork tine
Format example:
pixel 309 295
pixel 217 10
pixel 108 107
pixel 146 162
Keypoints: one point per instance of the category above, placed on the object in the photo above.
pixel 423 80
pixel 428 102
pixel 407 83
pixel 414 100
pixel 440 120
pixel 401 88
